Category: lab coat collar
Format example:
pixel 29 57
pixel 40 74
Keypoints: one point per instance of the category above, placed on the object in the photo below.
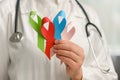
pixel 27 6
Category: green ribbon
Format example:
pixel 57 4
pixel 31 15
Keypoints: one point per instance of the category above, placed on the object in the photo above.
pixel 37 27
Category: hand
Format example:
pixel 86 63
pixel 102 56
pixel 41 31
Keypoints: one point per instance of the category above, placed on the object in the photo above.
pixel 72 55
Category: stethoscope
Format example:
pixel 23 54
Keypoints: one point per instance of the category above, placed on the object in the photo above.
pixel 18 36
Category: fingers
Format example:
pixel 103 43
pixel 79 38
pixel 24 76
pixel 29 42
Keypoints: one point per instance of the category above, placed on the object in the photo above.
pixel 66 60
pixel 71 66
pixel 69 50
pixel 67 54
pixel 69 46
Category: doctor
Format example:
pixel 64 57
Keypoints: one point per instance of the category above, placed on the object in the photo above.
pixel 72 59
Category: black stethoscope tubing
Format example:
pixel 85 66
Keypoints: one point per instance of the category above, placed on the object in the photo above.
pixel 16 16
pixel 88 21
pixel 16 36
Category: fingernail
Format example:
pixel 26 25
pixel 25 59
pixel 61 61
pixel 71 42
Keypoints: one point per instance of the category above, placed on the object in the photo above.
pixel 57 41
pixel 55 47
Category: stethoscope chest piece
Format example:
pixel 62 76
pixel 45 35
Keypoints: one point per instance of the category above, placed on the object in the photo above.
pixel 16 37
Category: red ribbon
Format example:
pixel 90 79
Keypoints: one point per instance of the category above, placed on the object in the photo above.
pixel 48 34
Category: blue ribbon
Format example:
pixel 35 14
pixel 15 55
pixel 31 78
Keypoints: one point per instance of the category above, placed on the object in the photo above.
pixel 59 27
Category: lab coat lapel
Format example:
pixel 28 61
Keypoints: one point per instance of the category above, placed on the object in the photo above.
pixel 29 34
pixel 25 8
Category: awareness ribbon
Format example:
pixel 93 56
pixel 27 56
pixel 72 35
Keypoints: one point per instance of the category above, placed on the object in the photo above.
pixel 48 35
pixel 36 26
pixel 54 31
pixel 59 26
pixel 67 35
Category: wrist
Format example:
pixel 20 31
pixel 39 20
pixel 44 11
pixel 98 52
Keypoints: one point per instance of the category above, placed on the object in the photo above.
pixel 78 76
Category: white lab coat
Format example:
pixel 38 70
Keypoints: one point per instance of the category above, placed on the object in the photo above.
pixel 25 61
